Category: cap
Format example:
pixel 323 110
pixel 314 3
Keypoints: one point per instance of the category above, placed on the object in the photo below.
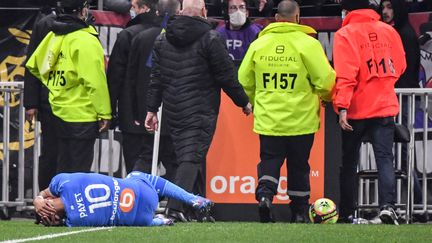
pixel 73 4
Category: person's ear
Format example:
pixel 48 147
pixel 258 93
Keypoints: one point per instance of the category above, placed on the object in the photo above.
pixel 84 13
pixel 204 12
pixel 277 17
pixel 298 19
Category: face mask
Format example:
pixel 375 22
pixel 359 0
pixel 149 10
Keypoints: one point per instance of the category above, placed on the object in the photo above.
pixel 343 14
pixel 237 18
pixel 132 13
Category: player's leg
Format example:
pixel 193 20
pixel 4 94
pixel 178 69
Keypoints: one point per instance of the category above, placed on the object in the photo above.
pixel 165 188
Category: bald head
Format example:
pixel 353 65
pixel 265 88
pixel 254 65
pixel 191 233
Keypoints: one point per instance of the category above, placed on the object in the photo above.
pixel 194 8
pixel 288 10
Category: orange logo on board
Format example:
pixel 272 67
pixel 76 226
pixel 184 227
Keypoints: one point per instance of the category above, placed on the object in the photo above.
pixel 127 200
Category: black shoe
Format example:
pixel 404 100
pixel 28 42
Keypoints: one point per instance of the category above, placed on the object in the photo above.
pixel 203 207
pixel 176 216
pixel 264 209
pixel 205 218
pixel 388 215
pixel 299 213
pixel 420 218
pixel 345 219
pixel 300 218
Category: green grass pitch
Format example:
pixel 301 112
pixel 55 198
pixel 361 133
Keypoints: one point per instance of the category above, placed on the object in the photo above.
pixel 224 232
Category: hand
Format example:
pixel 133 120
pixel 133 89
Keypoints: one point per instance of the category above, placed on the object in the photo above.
pixel 343 122
pixel 247 109
pixel 323 103
pixel 151 122
pixel 31 114
pixel 43 207
pixel 262 5
pixel 52 220
pixel 104 125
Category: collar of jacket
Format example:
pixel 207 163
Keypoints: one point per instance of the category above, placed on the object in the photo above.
pixel 142 18
pixel 361 16
pixel 283 27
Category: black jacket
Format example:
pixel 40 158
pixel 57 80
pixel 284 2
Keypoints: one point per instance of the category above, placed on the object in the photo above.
pixel 35 93
pixel 121 102
pixel 138 73
pixel 410 78
pixel 190 66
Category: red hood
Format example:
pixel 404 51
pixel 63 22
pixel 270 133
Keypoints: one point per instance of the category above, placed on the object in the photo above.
pixel 360 15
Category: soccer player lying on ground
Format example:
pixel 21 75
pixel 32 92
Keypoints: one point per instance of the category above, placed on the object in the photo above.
pixel 89 199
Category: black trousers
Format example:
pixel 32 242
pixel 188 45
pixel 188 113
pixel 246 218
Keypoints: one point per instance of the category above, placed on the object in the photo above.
pixel 49 149
pixel 133 145
pixel 166 156
pixel 75 145
pixel 273 152
pixel 189 176
pixel 75 155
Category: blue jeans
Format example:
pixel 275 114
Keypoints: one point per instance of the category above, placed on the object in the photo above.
pixel 381 133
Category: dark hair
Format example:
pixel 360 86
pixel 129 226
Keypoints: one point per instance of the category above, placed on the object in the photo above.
pixel 225 10
pixel 168 7
pixel 400 11
pixel 149 3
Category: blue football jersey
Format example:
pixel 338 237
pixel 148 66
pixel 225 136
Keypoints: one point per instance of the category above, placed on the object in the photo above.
pixel 97 200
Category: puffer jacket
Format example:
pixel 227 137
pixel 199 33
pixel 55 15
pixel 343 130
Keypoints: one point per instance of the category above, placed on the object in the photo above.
pixel 190 66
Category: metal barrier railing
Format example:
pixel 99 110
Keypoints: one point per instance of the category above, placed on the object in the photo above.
pixel 8 89
pixel 414 101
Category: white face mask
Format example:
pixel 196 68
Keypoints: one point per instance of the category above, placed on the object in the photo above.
pixel 132 13
pixel 238 18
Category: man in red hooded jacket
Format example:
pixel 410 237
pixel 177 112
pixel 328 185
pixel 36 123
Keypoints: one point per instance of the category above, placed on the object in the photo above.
pixel 369 58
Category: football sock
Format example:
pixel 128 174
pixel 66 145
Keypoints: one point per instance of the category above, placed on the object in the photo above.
pixel 157 222
pixel 165 188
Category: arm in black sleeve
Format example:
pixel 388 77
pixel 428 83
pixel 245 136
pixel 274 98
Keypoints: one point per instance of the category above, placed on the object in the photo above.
pixel 154 94
pixel 144 46
pixel 412 54
pixel 130 84
pixel 117 67
pixel 223 70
